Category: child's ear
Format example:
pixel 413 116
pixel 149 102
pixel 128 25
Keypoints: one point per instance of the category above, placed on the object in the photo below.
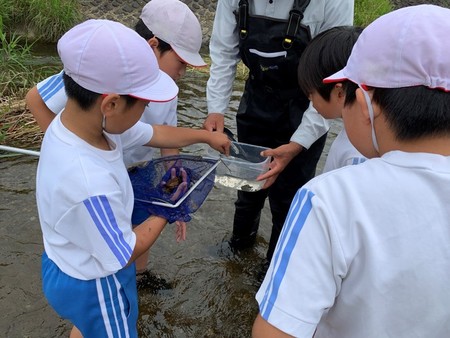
pixel 153 42
pixel 363 106
pixel 339 92
pixel 109 104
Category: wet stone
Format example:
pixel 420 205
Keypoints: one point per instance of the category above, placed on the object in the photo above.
pixel 128 8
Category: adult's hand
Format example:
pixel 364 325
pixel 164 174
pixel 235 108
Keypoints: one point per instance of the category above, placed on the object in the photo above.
pixel 214 122
pixel 281 157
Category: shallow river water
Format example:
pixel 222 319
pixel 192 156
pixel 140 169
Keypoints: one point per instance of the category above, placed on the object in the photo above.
pixel 213 288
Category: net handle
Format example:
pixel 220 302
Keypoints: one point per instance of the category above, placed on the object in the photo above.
pixel 170 205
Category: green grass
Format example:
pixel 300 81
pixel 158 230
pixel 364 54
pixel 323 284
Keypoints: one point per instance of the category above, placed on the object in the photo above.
pixel 368 10
pixel 45 20
pixel 49 19
pixel 18 72
pixel 20 21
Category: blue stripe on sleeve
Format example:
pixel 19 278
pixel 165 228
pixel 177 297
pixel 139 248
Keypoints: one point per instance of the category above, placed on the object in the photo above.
pixel 52 86
pixel 300 209
pixel 115 227
pixel 103 217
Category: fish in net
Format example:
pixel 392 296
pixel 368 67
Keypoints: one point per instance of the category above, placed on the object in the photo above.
pixel 173 187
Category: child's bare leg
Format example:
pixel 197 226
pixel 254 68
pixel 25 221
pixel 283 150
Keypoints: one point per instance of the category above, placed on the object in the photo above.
pixel 75 333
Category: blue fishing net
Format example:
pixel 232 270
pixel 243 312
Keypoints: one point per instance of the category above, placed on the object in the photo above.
pixel 173 187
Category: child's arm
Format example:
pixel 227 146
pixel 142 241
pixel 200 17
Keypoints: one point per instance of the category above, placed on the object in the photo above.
pixel 146 234
pixel 176 137
pixel 42 114
pixel 262 329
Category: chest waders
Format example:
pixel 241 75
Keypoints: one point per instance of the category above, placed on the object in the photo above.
pixel 270 110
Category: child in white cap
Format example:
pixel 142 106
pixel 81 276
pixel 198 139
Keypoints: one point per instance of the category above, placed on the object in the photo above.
pixel 327 53
pixel 84 195
pixel 174 33
pixel 365 249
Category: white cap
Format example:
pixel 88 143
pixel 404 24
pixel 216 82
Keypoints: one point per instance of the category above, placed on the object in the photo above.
pixel 404 48
pixel 107 57
pixel 173 22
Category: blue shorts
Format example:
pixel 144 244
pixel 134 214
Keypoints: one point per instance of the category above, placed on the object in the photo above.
pixel 103 307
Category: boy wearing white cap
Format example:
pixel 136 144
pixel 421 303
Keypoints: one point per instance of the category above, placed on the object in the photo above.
pixel 327 53
pixel 174 34
pixel 365 249
pixel 84 195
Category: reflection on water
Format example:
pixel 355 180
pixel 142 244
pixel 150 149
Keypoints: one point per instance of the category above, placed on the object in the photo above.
pixel 214 288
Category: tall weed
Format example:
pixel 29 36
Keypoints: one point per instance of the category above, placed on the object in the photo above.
pixel 49 19
pixel 18 71
pixel 45 20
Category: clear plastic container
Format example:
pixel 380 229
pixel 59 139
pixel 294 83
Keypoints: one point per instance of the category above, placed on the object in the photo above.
pixel 240 169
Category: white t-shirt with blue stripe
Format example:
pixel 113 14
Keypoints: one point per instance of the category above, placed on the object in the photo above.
pixel 342 153
pixel 364 252
pixel 85 201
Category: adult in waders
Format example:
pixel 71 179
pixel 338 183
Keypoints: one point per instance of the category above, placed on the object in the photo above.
pixel 269 37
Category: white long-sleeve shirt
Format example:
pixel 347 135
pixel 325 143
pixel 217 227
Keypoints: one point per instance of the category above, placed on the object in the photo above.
pixel 320 15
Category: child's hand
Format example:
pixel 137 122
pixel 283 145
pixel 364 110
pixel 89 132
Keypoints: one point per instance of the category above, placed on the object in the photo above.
pixel 220 142
pixel 176 184
pixel 181 231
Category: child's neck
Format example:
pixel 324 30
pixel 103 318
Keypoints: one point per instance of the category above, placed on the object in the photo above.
pixel 86 124
pixel 433 145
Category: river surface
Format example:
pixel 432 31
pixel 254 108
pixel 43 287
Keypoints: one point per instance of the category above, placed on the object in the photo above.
pixel 213 288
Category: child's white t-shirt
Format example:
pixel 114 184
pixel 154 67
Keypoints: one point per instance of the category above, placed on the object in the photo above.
pixel 156 113
pixel 342 153
pixel 85 200
pixel 365 252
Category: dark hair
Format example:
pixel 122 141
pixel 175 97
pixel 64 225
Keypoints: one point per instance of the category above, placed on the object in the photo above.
pixel 326 54
pixel 147 34
pixel 349 88
pixel 414 112
pixel 86 98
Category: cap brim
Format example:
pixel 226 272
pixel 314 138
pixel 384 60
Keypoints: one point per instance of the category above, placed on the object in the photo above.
pixel 162 90
pixel 192 59
pixel 336 77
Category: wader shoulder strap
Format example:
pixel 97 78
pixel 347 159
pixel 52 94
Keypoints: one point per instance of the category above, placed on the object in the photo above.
pixel 243 15
pixel 295 17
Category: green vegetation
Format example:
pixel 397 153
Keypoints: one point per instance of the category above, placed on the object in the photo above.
pixel 368 10
pixel 18 72
pixel 21 21
pixel 45 20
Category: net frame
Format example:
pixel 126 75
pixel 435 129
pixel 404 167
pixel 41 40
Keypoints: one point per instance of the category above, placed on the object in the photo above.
pixel 175 159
